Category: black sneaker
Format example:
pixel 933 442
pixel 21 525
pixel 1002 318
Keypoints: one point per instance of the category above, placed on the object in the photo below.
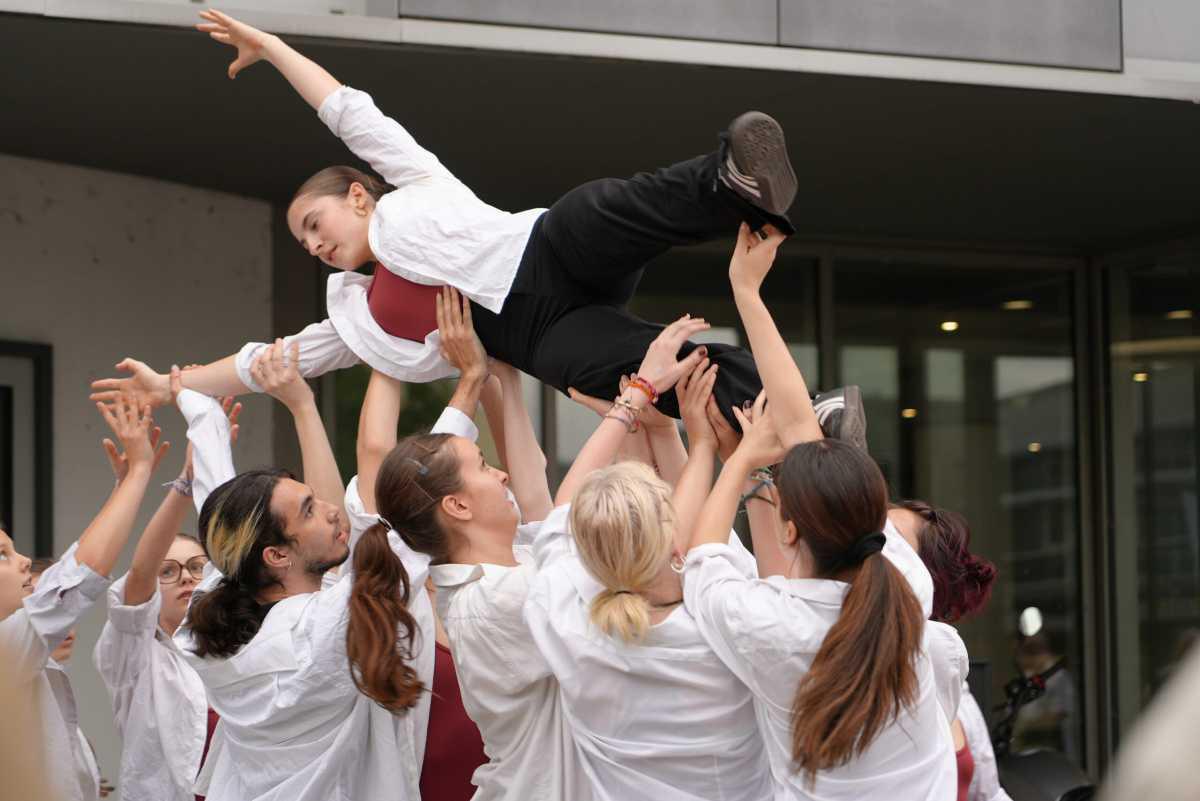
pixel 756 166
pixel 841 415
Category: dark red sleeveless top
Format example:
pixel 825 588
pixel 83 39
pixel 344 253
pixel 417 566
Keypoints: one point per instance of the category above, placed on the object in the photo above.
pixel 453 746
pixel 212 725
pixel 966 770
pixel 402 308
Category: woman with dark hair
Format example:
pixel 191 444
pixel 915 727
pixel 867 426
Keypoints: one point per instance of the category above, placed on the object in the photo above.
pixel 34 622
pixel 548 287
pixel 312 693
pixel 832 642
pixel 159 704
pixel 962 585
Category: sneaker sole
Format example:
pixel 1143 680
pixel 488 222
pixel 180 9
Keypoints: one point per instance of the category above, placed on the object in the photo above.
pixel 854 419
pixel 760 151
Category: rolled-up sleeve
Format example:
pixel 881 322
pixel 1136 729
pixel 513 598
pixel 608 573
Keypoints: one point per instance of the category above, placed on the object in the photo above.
pixel 322 350
pixel 377 139
pixel 454 421
pixel 208 432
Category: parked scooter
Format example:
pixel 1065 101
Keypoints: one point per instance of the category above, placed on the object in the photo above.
pixel 1039 774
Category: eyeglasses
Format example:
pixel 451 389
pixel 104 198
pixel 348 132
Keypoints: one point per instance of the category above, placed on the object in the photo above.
pixel 170 571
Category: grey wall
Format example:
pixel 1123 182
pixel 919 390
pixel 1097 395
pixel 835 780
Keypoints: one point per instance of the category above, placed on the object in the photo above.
pixel 1069 33
pixel 101 265
pixel 726 20
pixel 1162 29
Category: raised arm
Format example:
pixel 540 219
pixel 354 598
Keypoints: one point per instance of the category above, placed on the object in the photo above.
pixel 661 368
pixel 760 446
pixel 282 381
pixel 307 77
pixel 526 464
pixel 101 543
pixel 791 404
pixel 694 392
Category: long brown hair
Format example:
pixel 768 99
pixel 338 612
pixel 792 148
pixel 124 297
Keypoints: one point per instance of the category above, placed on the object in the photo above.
pixel 336 181
pixel 864 673
pixel 413 479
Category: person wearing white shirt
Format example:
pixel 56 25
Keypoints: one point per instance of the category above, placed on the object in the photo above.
pixel 832 641
pixel 962 584
pixel 653 711
pixel 443 499
pixel 549 286
pixel 35 622
pixel 159 703
pixel 294 670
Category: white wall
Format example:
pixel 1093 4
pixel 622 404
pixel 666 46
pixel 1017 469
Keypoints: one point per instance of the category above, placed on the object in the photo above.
pixel 100 265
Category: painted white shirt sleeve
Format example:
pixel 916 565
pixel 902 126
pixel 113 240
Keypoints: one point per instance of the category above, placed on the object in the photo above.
pixel 322 350
pixel 212 455
pixel 64 592
pixel 379 140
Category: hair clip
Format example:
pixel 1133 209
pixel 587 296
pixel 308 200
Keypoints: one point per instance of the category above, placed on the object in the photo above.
pixel 421 469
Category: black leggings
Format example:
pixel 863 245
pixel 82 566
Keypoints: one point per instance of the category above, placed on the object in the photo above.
pixel 565 321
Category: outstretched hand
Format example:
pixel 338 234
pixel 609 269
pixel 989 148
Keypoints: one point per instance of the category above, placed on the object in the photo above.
pixel 281 379
pixel 662 366
pixel 144 384
pixel 250 42
pixel 760 445
pixel 753 257
pixel 459 343
pixel 694 392
pixel 135 430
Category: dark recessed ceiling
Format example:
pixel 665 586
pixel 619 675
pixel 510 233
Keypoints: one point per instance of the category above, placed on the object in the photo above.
pixel 877 158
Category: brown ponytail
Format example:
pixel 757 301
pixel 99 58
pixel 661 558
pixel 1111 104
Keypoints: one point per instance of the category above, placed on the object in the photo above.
pixel 863 675
pixel 379 637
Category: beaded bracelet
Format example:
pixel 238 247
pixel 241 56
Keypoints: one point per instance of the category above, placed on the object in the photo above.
pixel 637 382
pixel 631 423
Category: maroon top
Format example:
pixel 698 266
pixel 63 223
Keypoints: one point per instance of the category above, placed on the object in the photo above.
pixel 453 747
pixel 402 308
pixel 212 724
pixel 966 769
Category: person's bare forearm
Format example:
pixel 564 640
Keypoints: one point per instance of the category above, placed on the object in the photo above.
pixel 312 81
pixel 716 515
pixel 525 461
pixel 786 389
pixel 669 453
pixel 152 547
pixel 492 400
pixel 695 482
pixel 376 432
pixel 102 541
pixel 216 379
pixel 762 513
pixel 320 467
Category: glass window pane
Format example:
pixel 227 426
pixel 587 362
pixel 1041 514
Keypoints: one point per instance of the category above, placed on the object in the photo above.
pixel 1155 327
pixel 967 376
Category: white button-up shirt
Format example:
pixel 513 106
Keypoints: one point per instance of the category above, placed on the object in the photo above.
pixel 84 760
pixel 293 725
pixel 431 229
pixel 768 631
pixel 507 687
pixel 661 719
pixel 159 704
pixel 29 635
pixel 985 782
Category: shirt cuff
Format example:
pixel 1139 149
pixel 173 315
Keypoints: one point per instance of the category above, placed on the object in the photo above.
pixel 64 576
pixel 243 361
pixel 453 421
pixel 132 618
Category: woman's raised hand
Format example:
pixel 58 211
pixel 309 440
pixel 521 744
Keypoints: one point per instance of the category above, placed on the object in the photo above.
pixel 661 365
pixel 459 344
pixel 760 445
pixel 133 427
pixel 144 384
pixel 694 392
pixel 753 257
pixel 279 379
pixel 250 42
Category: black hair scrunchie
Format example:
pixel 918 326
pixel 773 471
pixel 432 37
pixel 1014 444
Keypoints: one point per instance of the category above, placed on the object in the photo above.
pixel 867 545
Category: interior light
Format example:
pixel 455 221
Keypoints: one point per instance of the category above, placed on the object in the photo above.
pixel 908 413
pixel 1180 314
pixel 1141 378
pixel 949 326
pixel 1034 447
pixel 1016 305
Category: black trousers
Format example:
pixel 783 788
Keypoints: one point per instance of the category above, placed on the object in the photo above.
pixel 565 322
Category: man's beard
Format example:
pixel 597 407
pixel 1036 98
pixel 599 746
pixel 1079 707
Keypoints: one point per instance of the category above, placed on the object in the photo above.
pixel 323 566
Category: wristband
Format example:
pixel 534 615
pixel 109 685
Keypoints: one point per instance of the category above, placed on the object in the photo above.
pixel 637 382
pixel 181 485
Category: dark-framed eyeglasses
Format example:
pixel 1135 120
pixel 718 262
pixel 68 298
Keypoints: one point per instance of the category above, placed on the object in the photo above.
pixel 170 571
